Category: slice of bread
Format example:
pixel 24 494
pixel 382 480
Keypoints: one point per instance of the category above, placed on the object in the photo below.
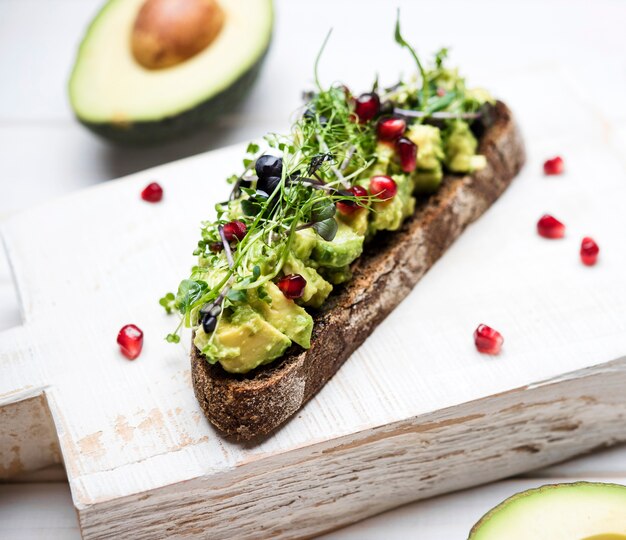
pixel 250 406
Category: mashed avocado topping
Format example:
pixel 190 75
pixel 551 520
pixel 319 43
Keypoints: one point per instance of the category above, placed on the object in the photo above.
pixel 306 205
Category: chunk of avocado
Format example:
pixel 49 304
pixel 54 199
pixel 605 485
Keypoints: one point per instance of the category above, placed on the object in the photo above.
pixel 385 154
pixel 461 148
pixel 303 243
pixel 389 215
pixel 429 148
pixel 242 343
pixel 427 180
pixel 264 256
pixel 120 95
pixel 344 248
pixel 357 221
pixel 317 288
pixel 336 275
pixel 578 511
pixel 283 314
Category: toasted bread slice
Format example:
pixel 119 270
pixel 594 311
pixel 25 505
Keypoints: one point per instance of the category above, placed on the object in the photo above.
pixel 253 405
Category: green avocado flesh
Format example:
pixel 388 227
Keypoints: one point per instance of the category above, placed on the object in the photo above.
pixel 579 511
pixel 305 222
pixel 113 95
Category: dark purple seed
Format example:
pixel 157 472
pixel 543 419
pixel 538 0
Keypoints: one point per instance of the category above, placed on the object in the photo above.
pixel 267 166
pixel 209 323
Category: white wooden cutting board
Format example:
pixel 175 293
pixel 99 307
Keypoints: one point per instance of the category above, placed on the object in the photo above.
pixel 415 412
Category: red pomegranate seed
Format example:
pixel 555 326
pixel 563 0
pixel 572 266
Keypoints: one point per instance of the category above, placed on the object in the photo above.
pixel 383 187
pixel 589 251
pixel 554 166
pixel 152 193
pixel 550 227
pixel 488 340
pixel 389 129
pixel 367 106
pixel 292 286
pixel 350 207
pixel 407 150
pixel 235 229
pixel 130 340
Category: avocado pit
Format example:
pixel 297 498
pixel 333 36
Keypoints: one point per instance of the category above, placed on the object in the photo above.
pixel 166 33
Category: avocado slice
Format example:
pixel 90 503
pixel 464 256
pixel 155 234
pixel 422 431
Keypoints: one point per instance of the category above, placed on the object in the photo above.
pixel 129 98
pixel 578 511
pixel 283 314
pixel 243 343
pixel 317 288
pixel 344 248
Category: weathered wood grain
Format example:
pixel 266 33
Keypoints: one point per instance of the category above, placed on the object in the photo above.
pixel 333 483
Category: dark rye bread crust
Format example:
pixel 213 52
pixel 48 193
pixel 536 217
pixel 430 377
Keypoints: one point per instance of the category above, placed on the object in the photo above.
pixel 250 406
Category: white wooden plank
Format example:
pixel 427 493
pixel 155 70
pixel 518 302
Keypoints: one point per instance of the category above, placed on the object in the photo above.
pixel 602 463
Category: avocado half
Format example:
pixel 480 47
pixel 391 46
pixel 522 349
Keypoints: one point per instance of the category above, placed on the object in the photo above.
pixel 578 511
pixel 117 97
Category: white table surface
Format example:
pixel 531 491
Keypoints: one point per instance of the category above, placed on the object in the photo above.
pixel 45 153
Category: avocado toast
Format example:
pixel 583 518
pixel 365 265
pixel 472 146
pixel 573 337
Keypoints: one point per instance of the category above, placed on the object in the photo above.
pixel 315 248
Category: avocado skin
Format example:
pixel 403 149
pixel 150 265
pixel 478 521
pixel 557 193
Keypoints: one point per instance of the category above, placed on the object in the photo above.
pixel 476 529
pixel 173 127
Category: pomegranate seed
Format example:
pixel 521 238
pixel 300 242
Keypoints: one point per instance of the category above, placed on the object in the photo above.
pixel 350 207
pixel 550 227
pixel 554 166
pixel 389 129
pixel 488 340
pixel 367 106
pixel 441 91
pixel 216 247
pixel 130 340
pixel 589 251
pixel 407 150
pixel 152 193
pixel 235 229
pixel 292 286
pixel 383 187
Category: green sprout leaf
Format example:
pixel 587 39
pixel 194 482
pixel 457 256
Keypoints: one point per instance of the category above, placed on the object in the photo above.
pixel 264 295
pixel 317 59
pixel 189 292
pixel 251 207
pixel 237 295
pixel 253 148
pixel 403 43
pixel 327 228
pixel 168 302
pixel 248 191
pixel 172 338
pixel 323 210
